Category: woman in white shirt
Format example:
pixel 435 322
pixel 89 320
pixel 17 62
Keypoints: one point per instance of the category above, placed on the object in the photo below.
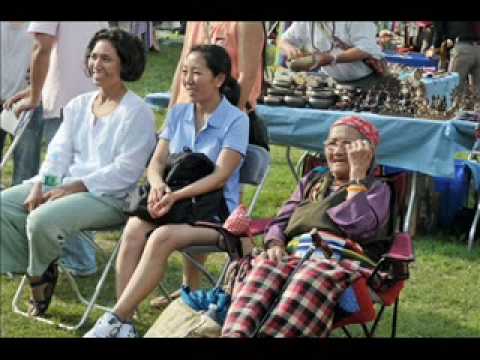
pixel 338 48
pixel 94 161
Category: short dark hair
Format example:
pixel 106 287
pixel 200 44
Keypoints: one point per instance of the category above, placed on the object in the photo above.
pixel 218 62
pixel 130 50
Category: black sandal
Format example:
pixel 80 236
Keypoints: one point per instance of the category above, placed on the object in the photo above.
pixel 49 277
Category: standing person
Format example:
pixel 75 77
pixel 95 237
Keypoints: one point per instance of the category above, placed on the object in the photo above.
pixel 465 55
pixel 210 125
pixel 385 40
pixel 244 43
pixel 327 42
pixel 57 76
pixel 98 156
pixel 15 54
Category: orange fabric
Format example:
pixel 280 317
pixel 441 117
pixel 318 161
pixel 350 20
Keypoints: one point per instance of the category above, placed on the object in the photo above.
pixel 223 33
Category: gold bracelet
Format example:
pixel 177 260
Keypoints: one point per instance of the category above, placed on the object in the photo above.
pixel 357 188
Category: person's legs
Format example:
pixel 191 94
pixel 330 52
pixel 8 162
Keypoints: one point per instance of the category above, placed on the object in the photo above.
pixel 134 238
pixel 3 136
pixel 26 156
pixel 79 253
pixel 462 60
pixel 150 270
pixel 253 297
pixel 13 239
pixel 52 223
pixel 476 72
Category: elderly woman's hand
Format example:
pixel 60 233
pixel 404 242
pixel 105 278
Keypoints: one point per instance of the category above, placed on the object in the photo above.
pixel 274 253
pixel 360 154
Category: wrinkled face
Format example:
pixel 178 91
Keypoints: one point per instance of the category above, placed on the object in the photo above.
pixel 198 79
pixel 335 151
pixel 104 64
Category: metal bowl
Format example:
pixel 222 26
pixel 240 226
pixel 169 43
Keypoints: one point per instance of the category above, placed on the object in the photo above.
pixel 321 94
pixel 273 100
pixel 345 87
pixel 298 92
pixel 321 103
pixel 277 91
pixel 295 101
pixel 282 83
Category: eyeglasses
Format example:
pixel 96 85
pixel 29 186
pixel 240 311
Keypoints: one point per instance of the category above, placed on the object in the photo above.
pixel 333 144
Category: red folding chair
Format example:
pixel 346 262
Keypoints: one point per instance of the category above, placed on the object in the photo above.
pixel 382 288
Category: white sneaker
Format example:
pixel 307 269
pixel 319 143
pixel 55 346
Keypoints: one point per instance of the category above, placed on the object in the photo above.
pixel 110 326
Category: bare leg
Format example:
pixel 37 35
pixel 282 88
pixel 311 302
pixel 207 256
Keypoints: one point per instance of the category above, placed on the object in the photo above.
pixel 191 275
pixel 131 249
pixel 151 268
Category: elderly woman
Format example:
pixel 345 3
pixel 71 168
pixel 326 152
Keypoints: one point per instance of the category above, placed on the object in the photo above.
pixel 338 48
pixel 351 205
pixel 94 161
pixel 211 125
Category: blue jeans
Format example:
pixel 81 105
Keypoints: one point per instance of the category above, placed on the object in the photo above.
pixel 79 254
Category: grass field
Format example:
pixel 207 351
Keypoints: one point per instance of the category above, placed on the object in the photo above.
pixel 440 300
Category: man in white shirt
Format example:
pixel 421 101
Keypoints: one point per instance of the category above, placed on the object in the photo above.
pixel 57 76
pixel 328 40
pixel 15 52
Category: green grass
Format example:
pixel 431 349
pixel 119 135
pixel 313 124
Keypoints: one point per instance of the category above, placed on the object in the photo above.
pixel 440 299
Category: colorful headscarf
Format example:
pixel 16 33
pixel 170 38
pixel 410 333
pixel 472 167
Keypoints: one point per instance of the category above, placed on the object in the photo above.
pixel 362 126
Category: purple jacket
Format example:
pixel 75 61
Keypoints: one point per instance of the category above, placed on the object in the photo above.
pixel 359 217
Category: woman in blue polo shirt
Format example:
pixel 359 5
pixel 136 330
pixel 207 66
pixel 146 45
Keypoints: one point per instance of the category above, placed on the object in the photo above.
pixel 210 124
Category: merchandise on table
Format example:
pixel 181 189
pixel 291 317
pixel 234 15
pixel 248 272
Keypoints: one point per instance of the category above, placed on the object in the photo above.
pixel 407 92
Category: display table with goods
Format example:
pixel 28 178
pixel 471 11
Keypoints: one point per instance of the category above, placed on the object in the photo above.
pixel 417 144
pixel 412 59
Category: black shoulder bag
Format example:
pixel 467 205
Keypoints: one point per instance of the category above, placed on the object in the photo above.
pixel 184 169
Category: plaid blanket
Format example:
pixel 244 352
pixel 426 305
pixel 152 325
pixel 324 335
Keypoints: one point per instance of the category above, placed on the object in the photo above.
pixel 305 308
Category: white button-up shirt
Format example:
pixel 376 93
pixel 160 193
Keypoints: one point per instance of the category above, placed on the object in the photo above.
pixel 108 154
pixel 358 34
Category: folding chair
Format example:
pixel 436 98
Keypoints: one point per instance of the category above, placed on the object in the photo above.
pixel 389 277
pixel 384 285
pixel 90 304
pixel 254 172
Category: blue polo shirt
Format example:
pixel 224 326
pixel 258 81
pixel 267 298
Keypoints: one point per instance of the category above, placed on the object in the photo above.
pixel 227 128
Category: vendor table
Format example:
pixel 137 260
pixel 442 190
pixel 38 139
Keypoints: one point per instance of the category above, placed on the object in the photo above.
pixel 422 145
pixel 426 146
pixel 411 59
pixel 438 85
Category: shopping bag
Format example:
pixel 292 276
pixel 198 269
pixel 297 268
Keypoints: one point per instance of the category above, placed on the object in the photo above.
pixel 179 320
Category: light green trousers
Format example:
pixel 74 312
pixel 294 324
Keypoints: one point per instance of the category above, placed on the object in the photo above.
pixel 30 242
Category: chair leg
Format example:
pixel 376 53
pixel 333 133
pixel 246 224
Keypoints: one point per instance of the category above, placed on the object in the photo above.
pixel 90 304
pixel 345 330
pixel 394 318
pixel 290 164
pixel 377 320
pixel 199 267
pixel 473 228
pixel 367 333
